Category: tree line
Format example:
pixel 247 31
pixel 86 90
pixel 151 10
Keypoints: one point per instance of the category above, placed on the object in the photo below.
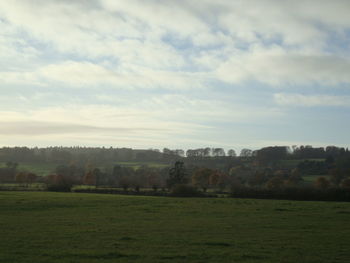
pixel 266 169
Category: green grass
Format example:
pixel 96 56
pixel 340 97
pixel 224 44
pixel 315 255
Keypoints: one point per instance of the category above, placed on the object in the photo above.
pixel 67 227
pixel 136 165
pixel 43 169
pixel 313 178
pixel 40 169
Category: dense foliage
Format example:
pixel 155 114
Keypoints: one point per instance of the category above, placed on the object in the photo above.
pixel 273 172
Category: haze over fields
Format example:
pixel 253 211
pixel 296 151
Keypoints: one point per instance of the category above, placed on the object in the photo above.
pixel 174 73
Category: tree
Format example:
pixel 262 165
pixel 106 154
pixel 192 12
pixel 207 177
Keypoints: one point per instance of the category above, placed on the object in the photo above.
pixel 336 175
pixel 272 154
pixel 12 165
pixel 275 183
pixel 115 175
pixel 124 182
pixel 177 175
pixel 89 178
pixel 322 183
pixel 154 179
pixel 206 152
pixel 125 177
pixel 25 178
pixel 294 178
pixel 31 178
pixel 140 177
pixel 8 173
pixel 20 178
pixel 258 179
pixel 231 153
pixel 219 179
pixel 58 182
pixel 246 153
pixel 98 176
pixel 180 152
pixel 201 178
pixel 217 152
pixel 346 183
pixel 240 173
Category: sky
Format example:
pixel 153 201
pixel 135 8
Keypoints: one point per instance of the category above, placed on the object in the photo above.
pixel 177 74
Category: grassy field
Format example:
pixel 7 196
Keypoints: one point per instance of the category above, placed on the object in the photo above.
pixel 313 178
pixel 136 165
pixel 40 169
pixel 67 227
pixel 43 169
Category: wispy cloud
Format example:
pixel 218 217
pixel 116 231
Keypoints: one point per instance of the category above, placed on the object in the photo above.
pixel 288 99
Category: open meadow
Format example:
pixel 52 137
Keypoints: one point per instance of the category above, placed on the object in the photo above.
pixel 71 227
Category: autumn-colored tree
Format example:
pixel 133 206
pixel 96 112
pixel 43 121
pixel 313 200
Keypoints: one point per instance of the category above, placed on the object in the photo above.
pixel 89 178
pixel 20 177
pixel 58 182
pixel 336 175
pixel 154 179
pixel 125 182
pixel 219 180
pixel 139 179
pixel 280 173
pixel 201 177
pixel 50 179
pixel 98 176
pixel 322 183
pixel 241 173
pixel 31 178
pixel 275 183
pixel 346 183
pixel 234 183
pixel 259 178
pixel 25 178
pixel 294 178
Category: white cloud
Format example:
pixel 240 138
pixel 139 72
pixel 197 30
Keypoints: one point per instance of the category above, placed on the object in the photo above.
pixel 276 66
pixel 86 74
pixel 288 99
pixel 171 119
pixel 183 54
pixel 270 41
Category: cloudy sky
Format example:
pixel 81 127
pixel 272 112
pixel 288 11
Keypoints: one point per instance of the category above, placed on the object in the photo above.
pixel 178 74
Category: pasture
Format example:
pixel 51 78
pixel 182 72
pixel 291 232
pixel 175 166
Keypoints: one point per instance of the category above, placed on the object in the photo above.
pixel 70 227
pixel 40 169
pixel 44 168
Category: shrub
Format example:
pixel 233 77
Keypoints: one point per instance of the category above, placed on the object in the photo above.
pixel 59 183
pixel 182 190
pixel 59 188
pixel 346 183
pixel 322 183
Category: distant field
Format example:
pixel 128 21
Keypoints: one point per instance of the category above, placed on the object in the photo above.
pixel 294 163
pixel 136 165
pixel 313 178
pixel 40 169
pixel 43 169
pixel 67 227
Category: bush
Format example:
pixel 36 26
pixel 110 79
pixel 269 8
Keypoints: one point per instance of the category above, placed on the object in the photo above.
pixel 59 183
pixel 182 190
pixel 59 188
